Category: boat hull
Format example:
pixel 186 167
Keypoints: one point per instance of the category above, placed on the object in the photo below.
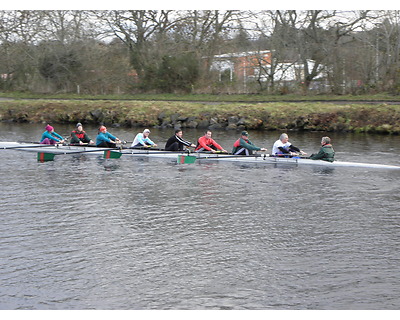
pixel 254 159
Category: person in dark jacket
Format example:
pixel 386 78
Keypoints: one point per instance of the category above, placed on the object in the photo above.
pixel 176 143
pixel 79 136
pixel 326 152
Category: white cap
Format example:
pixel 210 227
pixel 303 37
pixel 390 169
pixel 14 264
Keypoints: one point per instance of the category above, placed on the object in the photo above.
pixel 146 130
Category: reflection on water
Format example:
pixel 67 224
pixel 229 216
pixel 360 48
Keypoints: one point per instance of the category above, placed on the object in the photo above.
pixel 83 232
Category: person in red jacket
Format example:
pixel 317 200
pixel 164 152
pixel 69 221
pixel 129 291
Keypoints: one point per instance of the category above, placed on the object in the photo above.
pixel 206 143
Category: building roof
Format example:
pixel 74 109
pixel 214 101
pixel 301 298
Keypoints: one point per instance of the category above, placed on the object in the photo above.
pixel 240 54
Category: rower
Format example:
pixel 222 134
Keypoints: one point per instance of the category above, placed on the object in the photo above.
pixel 79 136
pixel 51 137
pixel 143 140
pixel 282 146
pixel 243 146
pixel 177 143
pixel 206 143
pixel 326 152
pixel 106 139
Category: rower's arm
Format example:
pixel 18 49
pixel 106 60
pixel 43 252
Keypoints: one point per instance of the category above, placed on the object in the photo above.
pixel 293 148
pixel 249 146
pixel 284 150
pixel 215 144
pixel 186 143
pixel 319 155
pixel 52 136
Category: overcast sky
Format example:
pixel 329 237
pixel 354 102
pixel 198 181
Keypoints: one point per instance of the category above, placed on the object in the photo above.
pixel 205 4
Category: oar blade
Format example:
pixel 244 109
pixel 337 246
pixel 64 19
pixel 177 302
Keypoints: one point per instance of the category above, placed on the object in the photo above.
pixel 44 156
pixel 186 159
pixel 110 154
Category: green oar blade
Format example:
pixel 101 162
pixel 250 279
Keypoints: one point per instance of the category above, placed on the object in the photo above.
pixel 44 156
pixel 186 159
pixel 109 154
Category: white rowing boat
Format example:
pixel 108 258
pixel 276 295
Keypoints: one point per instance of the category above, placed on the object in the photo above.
pixel 256 159
pixel 267 159
pixel 183 156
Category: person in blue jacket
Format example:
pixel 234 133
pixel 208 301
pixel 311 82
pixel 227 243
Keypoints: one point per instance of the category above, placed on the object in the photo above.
pixel 51 137
pixel 106 139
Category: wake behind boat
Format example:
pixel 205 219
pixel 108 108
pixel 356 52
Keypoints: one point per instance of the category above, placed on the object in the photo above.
pixel 183 156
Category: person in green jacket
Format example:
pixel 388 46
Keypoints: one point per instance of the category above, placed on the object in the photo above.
pixel 326 152
pixel 243 146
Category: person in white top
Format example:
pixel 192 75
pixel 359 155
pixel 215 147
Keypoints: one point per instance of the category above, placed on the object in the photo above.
pixel 143 140
pixel 284 147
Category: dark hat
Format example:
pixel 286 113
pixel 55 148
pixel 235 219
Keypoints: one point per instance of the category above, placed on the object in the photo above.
pixel 245 133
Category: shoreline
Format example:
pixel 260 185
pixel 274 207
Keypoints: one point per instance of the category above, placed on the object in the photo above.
pixel 330 116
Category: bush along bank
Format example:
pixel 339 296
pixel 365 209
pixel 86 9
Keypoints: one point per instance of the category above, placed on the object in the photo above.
pixel 233 116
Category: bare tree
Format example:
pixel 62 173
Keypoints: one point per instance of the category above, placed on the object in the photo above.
pixel 136 28
pixel 19 31
pixel 317 35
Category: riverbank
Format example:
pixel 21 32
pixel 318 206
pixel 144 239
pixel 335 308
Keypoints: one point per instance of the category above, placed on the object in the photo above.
pixel 248 98
pixel 309 116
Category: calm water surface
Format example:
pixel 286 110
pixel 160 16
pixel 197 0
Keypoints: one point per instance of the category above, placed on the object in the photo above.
pixel 82 232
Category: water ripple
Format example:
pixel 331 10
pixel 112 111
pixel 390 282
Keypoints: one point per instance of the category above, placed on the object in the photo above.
pixel 84 233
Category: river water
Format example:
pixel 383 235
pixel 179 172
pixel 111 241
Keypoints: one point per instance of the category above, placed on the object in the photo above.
pixel 82 232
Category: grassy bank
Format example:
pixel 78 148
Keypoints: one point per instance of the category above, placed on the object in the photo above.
pixel 203 97
pixel 380 118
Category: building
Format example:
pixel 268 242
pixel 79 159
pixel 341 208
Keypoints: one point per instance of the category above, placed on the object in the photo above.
pixel 243 64
pixel 257 65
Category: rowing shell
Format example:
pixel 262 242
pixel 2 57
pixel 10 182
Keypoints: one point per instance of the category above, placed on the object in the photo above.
pixel 260 159
pixel 256 159
pixel 47 152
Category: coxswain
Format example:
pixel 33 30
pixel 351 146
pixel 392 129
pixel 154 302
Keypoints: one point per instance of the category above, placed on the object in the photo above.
pixel 176 143
pixel 206 143
pixel 243 146
pixel 51 137
pixel 282 146
pixel 143 140
pixel 326 152
pixel 79 136
pixel 106 139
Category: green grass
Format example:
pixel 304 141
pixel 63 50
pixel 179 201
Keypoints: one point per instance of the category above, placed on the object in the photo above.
pixel 203 97
pixel 282 115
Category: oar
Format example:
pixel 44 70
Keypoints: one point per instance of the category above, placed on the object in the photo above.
pixel 192 158
pixel 109 153
pixel 143 148
pixel 86 144
pixel 283 156
pixel 157 152
pixel 28 147
pixel 186 159
pixel 42 156
pixel 210 152
pixel 233 156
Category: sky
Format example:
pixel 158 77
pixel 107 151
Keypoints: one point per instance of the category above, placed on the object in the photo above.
pixel 205 4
